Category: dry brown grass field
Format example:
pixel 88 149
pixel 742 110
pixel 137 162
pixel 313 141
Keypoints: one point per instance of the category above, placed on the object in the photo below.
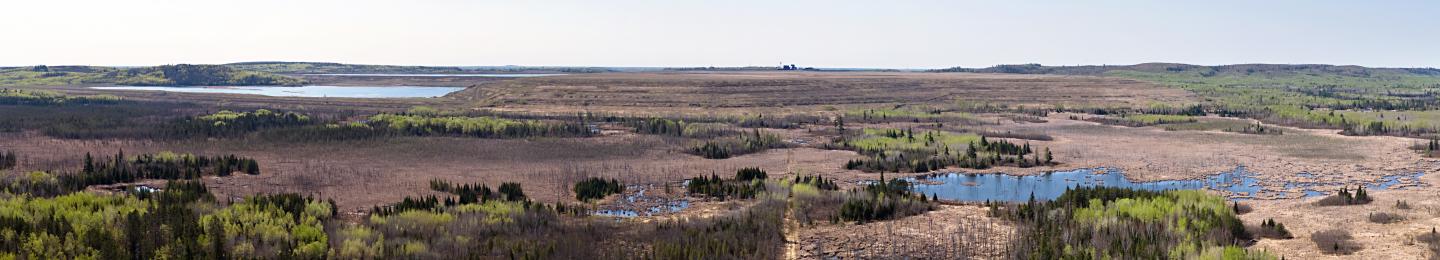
pixel 366 173
pixel 702 92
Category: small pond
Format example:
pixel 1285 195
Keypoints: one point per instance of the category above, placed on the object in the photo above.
pixel 1237 184
pixel 637 203
pixel 310 91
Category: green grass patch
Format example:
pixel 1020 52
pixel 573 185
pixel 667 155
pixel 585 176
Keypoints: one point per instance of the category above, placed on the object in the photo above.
pixel 897 139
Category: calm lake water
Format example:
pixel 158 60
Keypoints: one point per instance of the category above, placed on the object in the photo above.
pixel 1239 184
pixel 311 91
pixel 439 75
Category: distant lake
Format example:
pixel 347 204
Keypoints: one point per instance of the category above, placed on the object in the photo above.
pixel 310 91
pixel 438 75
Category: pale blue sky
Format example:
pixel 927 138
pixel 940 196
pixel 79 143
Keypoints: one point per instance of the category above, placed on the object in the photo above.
pixel 889 34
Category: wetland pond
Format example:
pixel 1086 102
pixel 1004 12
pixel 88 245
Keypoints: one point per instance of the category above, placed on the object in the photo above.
pixel 1237 184
pixel 637 203
pixel 309 91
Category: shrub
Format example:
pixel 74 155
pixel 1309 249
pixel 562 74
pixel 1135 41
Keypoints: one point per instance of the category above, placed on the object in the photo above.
pixel 1386 218
pixel 1271 229
pixel 1241 209
pixel 1431 240
pixel 1335 241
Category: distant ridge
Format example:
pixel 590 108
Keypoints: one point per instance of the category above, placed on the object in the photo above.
pixel 1246 69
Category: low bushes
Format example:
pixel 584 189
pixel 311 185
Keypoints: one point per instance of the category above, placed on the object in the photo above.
pixel 1385 217
pixel 1271 229
pixel 1335 241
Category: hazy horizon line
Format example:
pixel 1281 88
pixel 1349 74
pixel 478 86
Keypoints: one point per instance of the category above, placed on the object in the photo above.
pixel 729 66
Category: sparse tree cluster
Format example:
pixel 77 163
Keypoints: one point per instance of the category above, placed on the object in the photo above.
pixel 982 154
pixel 750 173
pixel 596 188
pixel 1273 230
pixel 8 160
pixel 722 189
pixel 883 200
pixel 1347 197
pixel 817 181
pixel 482 127
pixel 165 166
pixel 230 124
pixel 744 144
pixel 1095 222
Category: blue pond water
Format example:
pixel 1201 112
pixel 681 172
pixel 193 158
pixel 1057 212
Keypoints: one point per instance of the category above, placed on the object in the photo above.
pixel 1003 187
pixel 310 91
pixel 1388 181
pixel 1237 184
pixel 653 205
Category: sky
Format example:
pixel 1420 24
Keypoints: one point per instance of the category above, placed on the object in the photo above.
pixel 835 34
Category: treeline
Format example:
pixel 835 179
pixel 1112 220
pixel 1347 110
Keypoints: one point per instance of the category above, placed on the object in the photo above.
pixel 1257 129
pixel 745 185
pixel 525 230
pixel 47 98
pixel 194 75
pixel 744 144
pixel 483 127
pixel 131 119
pixel 122 169
pixel 1139 120
pixel 980 154
pixel 464 194
pixel 1102 222
pixel 166 166
pixel 597 188
pixel 819 182
pixel 882 200
pixel 8 160
pixel 230 124
pixel 815 199
pixel 940 116
pixel 182 221
pixel 686 125
pixel 154 120
pixel 1428 149
pixel 659 126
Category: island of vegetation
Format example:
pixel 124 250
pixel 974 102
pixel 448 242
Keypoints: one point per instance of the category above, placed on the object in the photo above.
pixel 166 75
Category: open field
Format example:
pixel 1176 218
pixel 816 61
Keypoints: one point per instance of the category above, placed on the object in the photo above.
pixel 698 92
pixel 807 112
